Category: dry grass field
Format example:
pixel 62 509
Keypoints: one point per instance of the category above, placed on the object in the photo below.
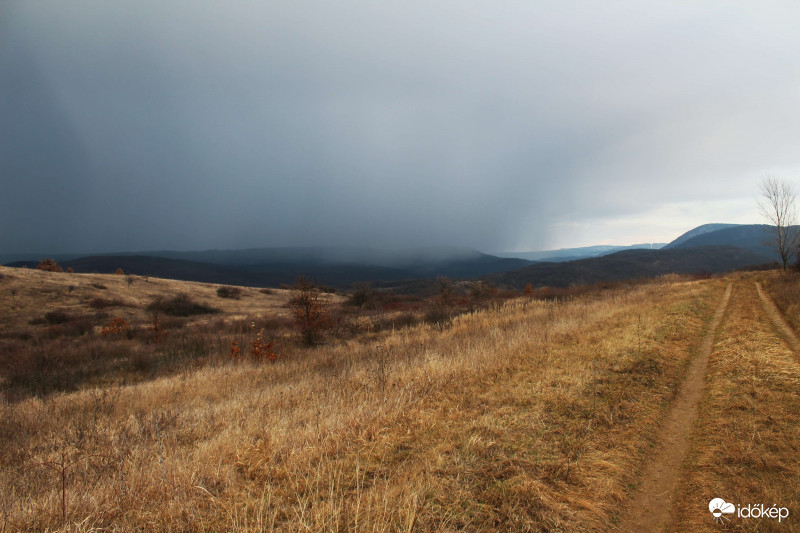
pixel 533 415
pixel 31 292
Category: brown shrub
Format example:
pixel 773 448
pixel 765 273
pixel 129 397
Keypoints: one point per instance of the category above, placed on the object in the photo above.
pixel 310 312
pixel 233 293
pixel 261 350
pixel 56 317
pixel 180 305
pixel 117 327
pixel 49 265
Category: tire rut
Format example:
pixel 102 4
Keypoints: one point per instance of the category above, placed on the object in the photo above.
pixel 651 504
pixel 778 322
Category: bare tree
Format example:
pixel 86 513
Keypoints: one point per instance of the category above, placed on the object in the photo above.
pixel 777 205
pixel 310 311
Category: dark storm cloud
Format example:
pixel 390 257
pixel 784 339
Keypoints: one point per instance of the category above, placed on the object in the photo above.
pixel 141 125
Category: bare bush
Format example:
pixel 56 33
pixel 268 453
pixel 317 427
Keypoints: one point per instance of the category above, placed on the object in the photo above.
pixel 310 312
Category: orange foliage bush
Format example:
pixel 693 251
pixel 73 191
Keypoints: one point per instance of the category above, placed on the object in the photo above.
pixel 235 350
pixel 529 291
pixel 261 350
pixel 49 265
pixel 117 326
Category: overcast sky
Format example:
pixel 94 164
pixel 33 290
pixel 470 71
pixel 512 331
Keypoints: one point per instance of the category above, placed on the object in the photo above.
pixel 136 125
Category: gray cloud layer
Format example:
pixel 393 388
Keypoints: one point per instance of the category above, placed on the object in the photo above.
pixel 140 125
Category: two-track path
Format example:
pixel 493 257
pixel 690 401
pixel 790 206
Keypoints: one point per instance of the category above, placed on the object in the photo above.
pixel 650 508
pixel 661 475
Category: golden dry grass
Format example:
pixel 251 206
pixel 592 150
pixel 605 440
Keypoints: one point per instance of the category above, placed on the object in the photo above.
pixel 536 416
pixel 28 294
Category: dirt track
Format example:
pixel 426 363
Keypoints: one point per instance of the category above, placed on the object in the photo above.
pixel 650 507
pixel 777 320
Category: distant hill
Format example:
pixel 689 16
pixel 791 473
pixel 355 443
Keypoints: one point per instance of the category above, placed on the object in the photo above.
pixel 272 267
pixel 696 232
pixel 571 254
pixel 629 264
pixel 756 238
pixel 409 269
pixel 157 267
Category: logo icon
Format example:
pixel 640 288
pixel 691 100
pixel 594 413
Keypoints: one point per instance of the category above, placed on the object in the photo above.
pixel 719 508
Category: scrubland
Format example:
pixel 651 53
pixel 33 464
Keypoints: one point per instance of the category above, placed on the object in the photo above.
pixel 528 415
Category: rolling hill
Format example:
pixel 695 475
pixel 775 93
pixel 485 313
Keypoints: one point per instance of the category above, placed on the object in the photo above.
pixel 708 248
pixel 629 264
pixel 756 238
pixel 336 267
pixel 698 231
pixel 571 254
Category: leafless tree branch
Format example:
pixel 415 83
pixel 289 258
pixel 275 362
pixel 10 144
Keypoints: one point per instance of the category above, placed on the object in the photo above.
pixel 777 205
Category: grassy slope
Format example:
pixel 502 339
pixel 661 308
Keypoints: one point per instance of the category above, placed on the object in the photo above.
pixel 30 293
pixel 533 417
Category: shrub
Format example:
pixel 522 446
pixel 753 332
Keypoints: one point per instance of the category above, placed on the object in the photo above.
pixel 235 350
pixel 70 270
pixel 117 326
pixel 49 265
pixel 233 293
pixel 529 291
pixel 119 271
pixel 365 296
pixel 442 303
pixel 180 305
pixel 310 313
pixel 261 350
pixel 56 317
